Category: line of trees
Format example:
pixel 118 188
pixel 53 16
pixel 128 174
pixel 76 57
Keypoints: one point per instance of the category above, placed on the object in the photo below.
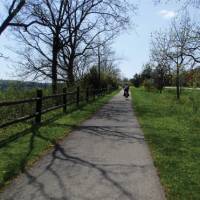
pixel 175 53
pixel 63 39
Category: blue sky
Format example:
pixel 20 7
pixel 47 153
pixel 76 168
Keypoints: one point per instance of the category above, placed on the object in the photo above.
pixel 132 47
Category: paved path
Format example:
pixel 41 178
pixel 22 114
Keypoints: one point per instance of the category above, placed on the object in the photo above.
pixel 105 159
pixel 184 88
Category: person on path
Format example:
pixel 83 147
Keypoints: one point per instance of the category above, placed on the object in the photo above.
pixel 126 90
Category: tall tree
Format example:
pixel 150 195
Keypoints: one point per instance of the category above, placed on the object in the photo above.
pixel 177 46
pixel 45 22
pixel 162 64
pixel 68 29
pixel 89 21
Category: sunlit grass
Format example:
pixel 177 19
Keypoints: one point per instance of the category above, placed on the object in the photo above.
pixel 172 129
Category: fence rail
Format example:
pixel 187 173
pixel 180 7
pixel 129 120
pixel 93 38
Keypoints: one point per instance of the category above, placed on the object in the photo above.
pixel 9 103
pixel 62 100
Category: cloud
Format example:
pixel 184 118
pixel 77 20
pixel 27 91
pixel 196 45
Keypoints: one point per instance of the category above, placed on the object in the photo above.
pixel 167 14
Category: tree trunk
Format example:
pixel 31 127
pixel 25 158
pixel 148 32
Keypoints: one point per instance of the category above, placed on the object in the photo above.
pixel 55 52
pixel 177 82
pixel 71 77
pixel 99 68
pixel 71 71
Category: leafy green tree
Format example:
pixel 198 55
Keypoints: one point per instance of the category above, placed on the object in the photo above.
pixel 136 80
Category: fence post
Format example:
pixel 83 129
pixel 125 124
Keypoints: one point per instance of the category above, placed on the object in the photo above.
pixel 78 96
pixel 87 95
pixel 38 107
pixel 65 100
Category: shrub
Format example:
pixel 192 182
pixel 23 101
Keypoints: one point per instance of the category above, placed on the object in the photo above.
pixel 148 85
pixel 136 81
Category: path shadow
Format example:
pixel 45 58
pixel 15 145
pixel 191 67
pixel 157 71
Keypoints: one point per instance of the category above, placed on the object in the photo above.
pixel 116 133
pixel 107 173
pixel 33 128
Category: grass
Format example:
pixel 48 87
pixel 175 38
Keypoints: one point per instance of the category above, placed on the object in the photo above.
pixel 172 130
pixel 22 144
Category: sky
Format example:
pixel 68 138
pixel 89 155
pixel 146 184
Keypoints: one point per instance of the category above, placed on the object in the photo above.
pixel 132 46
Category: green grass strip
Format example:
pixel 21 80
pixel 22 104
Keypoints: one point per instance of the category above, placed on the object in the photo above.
pixel 172 130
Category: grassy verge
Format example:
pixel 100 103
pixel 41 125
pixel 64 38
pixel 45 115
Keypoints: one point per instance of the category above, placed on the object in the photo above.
pixel 21 145
pixel 172 130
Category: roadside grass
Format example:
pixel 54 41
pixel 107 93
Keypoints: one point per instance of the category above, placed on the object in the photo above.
pixel 23 144
pixel 172 130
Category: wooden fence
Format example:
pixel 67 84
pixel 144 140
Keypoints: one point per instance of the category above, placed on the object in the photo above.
pixel 62 100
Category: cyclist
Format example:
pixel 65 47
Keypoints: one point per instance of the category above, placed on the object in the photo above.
pixel 126 90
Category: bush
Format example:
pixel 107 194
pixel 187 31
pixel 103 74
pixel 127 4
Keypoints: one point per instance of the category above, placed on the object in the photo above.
pixel 148 85
pixel 136 81
pixel 106 78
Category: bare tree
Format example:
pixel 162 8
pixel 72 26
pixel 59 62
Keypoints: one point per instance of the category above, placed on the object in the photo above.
pixel 14 8
pixel 177 46
pixel 45 24
pixel 161 61
pixel 161 71
pixel 109 73
pixel 63 33
pixel 89 21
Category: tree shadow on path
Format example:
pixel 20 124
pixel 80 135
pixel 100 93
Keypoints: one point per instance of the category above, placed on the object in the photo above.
pixel 105 171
